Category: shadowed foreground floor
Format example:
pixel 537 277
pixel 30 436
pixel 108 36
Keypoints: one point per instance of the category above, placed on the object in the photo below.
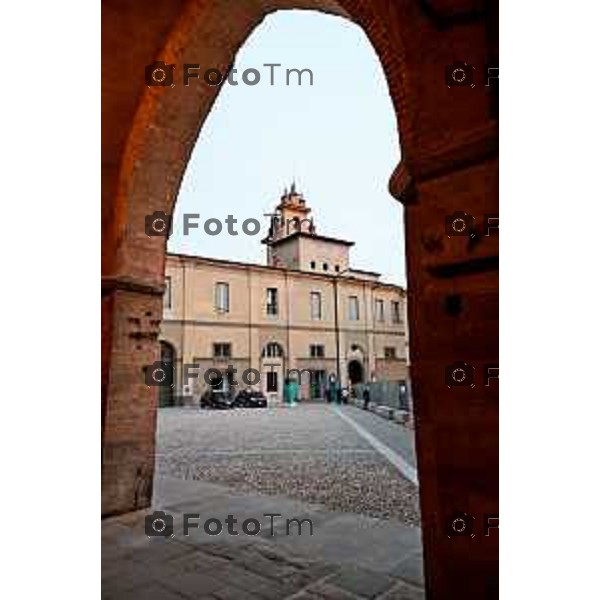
pixel 348 556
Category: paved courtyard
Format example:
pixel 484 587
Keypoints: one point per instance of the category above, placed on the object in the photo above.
pixel 307 452
pixel 338 467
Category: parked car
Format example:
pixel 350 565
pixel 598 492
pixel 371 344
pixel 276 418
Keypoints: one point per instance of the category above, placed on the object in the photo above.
pixel 217 399
pixel 250 399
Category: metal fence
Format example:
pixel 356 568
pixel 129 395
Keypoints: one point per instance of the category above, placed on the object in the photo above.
pixel 395 394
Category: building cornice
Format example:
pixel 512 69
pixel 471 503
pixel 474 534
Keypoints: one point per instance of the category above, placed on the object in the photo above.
pixel 244 324
pixel 305 234
pixel 221 262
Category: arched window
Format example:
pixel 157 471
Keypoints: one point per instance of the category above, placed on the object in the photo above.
pixel 272 350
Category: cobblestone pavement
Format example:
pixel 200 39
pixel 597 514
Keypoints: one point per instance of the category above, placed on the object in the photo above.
pixel 307 452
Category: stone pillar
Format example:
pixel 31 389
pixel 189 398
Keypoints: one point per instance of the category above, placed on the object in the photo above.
pixel 453 312
pixel 131 316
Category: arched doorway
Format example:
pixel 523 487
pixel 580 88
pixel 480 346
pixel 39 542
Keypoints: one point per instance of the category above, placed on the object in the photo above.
pixel 355 372
pixel 166 393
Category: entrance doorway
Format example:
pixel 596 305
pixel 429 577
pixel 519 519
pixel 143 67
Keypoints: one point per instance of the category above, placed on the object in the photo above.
pixel 271 371
pixel 355 372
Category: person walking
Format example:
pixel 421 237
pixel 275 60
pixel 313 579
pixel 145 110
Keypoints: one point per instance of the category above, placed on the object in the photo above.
pixel 366 397
pixel 330 391
pixel 338 392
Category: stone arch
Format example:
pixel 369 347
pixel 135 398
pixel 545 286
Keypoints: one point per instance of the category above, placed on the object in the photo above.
pixel 449 144
pixel 167 121
pixel 356 350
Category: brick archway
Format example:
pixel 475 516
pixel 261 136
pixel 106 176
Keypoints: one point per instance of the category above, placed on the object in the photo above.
pixel 449 143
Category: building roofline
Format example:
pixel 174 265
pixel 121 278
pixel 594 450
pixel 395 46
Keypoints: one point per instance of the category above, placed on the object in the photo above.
pixel 315 236
pixel 257 266
pixel 352 269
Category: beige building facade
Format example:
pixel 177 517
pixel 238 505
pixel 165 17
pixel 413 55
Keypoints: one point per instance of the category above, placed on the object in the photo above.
pixel 305 314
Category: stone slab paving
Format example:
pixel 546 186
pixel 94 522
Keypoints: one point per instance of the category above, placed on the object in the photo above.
pixel 348 556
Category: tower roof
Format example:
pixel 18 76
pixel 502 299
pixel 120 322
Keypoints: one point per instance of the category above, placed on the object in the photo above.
pixel 293 199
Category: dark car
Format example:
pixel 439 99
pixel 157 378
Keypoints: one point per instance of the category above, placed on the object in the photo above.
pixel 217 399
pixel 250 399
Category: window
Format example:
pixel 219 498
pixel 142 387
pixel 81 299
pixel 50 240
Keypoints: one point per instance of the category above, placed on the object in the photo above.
pixel 353 308
pixel 271 381
pixel 167 294
pixel 272 301
pixel 222 297
pixel 272 350
pixel 325 266
pixel 389 352
pixel 317 351
pixel 379 312
pixel 222 350
pixel 337 268
pixel 313 264
pixel 315 305
pixel 395 311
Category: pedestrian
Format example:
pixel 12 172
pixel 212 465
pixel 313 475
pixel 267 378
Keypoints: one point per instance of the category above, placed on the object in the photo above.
pixel 331 389
pixel 402 397
pixel 366 397
pixel 345 395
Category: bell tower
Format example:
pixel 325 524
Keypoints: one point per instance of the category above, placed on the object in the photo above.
pixel 291 216
pixel 293 242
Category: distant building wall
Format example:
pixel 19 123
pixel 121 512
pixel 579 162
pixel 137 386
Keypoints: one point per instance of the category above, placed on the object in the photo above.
pixel 193 325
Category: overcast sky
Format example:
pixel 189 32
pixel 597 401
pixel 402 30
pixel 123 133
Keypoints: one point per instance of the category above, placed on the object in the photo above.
pixel 337 139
